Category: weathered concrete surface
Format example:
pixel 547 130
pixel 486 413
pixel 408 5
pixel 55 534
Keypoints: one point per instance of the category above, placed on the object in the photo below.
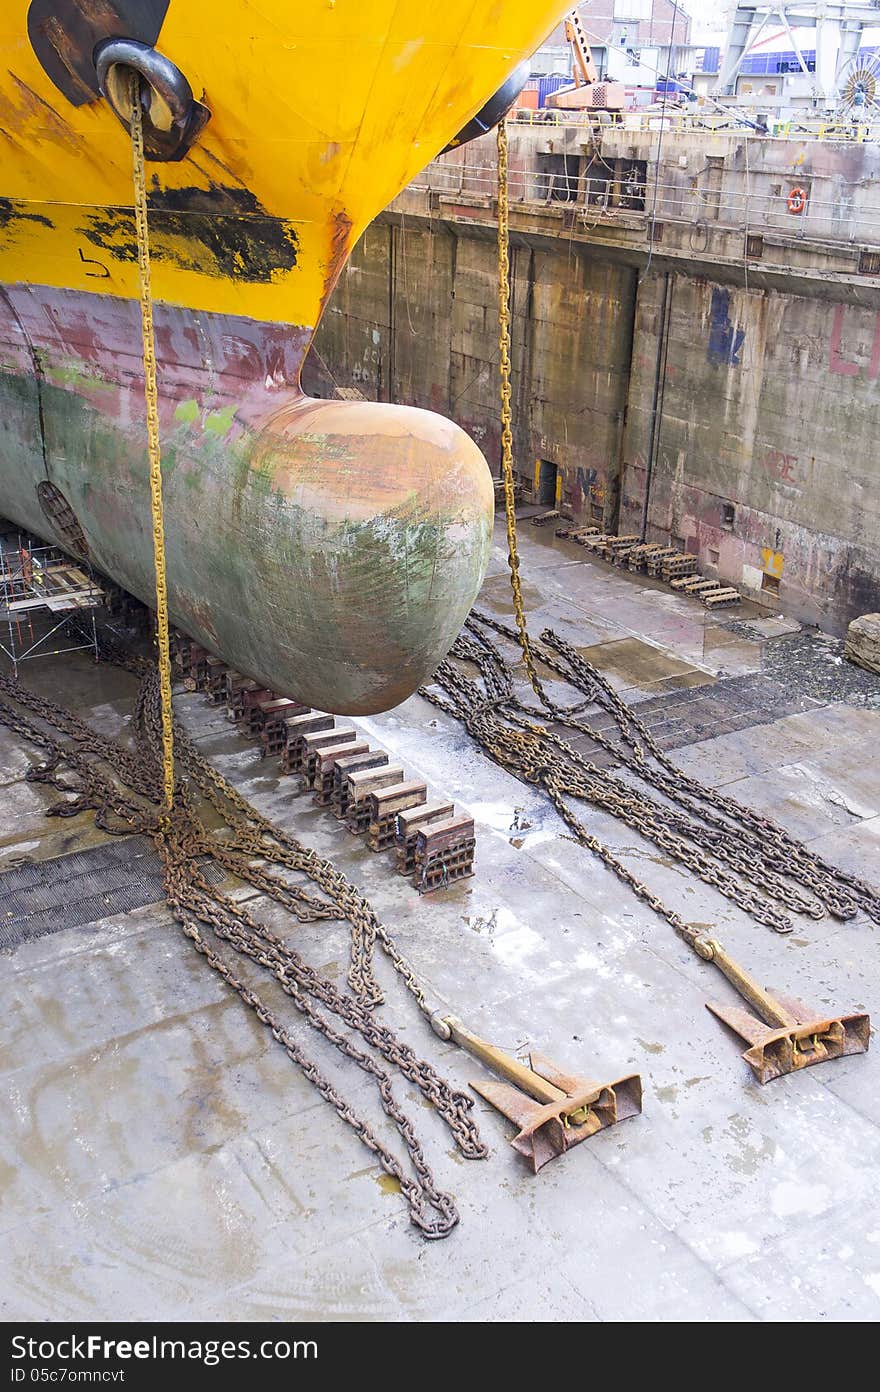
pixel 415 319
pixel 160 1158
pixel 763 454
pixel 664 370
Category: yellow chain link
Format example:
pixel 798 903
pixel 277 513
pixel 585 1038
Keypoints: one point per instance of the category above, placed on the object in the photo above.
pixel 153 448
pixel 506 433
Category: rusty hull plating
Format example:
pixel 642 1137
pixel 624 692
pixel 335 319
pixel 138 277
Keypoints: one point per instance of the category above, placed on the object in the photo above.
pixel 329 549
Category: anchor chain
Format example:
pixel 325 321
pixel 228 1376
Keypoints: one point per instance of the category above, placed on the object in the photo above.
pixel 135 791
pixel 125 789
pixel 506 414
pixel 151 395
pixel 716 839
pixel 730 847
pixel 709 833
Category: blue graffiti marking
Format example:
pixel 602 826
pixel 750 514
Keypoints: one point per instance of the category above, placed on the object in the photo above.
pixel 725 341
pixel 586 478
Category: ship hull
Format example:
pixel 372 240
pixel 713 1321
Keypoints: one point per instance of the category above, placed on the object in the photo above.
pixel 329 549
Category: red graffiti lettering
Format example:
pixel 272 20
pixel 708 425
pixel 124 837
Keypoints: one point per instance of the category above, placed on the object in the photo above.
pixel 842 366
pixel 781 466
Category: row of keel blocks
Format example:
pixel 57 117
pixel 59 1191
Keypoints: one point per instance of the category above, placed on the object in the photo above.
pixel 372 796
pixel 677 568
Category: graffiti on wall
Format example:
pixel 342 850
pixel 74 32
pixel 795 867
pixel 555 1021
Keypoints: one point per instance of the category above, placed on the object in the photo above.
pixel 725 339
pixel 780 466
pixel 839 363
pixel 588 487
pixel 771 561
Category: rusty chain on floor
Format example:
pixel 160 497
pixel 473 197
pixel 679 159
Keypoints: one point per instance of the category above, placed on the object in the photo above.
pixel 138 791
pixel 130 790
pixel 726 845
pixel 125 789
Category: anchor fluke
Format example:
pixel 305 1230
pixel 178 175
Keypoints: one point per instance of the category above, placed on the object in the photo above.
pixel 553 1109
pixel 785 1035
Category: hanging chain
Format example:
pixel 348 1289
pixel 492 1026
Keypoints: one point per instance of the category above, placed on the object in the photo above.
pixel 151 394
pixel 712 836
pixel 506 432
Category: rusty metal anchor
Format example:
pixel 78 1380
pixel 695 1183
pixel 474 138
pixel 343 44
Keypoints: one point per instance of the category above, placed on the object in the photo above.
pixel 554 1110
pixel 788 1035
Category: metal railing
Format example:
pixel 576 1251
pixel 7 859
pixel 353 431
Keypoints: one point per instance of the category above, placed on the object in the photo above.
pixel 686 119
pixel 769 202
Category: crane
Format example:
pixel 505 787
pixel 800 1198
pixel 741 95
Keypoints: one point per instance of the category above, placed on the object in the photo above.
pixel 586 92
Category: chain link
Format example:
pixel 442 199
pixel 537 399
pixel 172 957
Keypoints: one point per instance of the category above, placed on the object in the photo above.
pixel 125 789
pixel 134 791
pixel 151 394
pixel 729 847
pixel 506 431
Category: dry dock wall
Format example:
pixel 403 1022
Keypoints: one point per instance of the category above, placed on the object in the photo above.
pixel 737 414
pixel 766 457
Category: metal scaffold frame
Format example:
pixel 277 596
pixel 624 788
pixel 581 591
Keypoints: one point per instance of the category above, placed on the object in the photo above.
pixel 40 584
pixel 838 27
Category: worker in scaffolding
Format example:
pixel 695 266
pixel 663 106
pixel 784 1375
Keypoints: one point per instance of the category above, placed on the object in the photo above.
pixel 31 569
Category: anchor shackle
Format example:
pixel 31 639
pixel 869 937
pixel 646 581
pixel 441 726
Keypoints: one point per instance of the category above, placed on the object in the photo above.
pixel 172 117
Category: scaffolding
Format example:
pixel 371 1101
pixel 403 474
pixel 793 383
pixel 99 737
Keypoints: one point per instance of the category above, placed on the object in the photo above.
pixel 46 599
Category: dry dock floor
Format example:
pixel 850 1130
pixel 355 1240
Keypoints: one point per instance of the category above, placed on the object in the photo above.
pixel 160 1158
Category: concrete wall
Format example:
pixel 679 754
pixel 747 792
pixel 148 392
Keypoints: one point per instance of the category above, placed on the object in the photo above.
pixel 771 407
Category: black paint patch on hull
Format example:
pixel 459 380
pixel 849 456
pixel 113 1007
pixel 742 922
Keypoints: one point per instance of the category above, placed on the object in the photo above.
pixel 241 239
pixel 63 35
pixel 13 210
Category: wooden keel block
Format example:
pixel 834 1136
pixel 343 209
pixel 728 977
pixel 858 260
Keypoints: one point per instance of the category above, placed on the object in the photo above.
pixel 374 758
pixel 273 734
pixel 656 559
pixel 715 599
pixel 250 695
pixel 325 767
pixel 277 710
pixel 407 826
pixel 360 784
pixel 316 741
pixel 216 688
pixel 384 807
pixel 444 853
pixel 296 728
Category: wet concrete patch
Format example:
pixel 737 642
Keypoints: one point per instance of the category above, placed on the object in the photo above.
pixel 496 592
pixel 641 664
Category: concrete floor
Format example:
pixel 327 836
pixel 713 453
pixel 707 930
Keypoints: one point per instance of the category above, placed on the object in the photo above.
pixel 160 1158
